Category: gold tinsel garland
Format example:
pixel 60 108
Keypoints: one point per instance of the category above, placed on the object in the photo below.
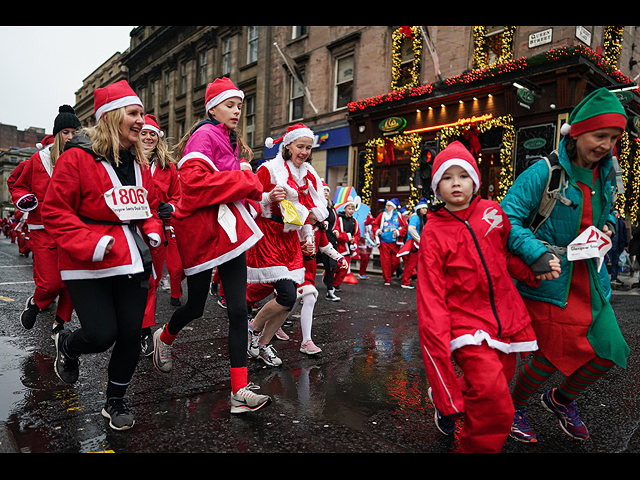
pixel 480 46
pixel 629 160
pixel 449 134
pixel 372 145
pixel 612 42
pixel 398 37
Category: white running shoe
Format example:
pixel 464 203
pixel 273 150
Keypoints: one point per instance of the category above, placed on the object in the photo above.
pixel 252 344
pixel 161 353
pixel 268 355
pixel 244 400
pixel 331 296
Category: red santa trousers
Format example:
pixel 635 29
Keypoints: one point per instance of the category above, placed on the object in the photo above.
pixel 339 273
pixel 159 256
pixel 410 262
pixel 389 260
pixel 46 275
pixel 174 267
pixel 488 408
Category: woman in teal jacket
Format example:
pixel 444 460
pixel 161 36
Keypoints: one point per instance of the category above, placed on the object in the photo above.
pixel 575 325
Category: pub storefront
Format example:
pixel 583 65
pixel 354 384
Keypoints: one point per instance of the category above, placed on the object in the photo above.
pixel 508 119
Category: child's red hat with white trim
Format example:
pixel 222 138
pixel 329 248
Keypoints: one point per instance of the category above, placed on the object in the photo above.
pixel 454 154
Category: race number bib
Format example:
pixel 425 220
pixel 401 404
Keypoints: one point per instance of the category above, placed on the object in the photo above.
pixel 592 243
pixel 128 202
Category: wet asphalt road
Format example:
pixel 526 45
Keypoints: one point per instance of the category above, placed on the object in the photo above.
pixel 365 393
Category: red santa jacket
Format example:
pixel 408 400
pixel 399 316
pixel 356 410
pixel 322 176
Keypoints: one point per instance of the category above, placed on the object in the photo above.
pixel 466 294
pixel 33 180
pixel 347 232
pixel 278 256
pixel 81 222
pixel 167 185
pixel 13 177
pixel 212 223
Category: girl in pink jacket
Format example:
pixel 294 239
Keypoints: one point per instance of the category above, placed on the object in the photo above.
pixel 214 227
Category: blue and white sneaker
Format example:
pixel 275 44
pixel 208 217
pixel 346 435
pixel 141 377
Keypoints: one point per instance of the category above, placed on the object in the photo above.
pixel 444 424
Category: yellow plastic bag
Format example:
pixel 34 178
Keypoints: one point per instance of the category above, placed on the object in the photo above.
pixel 289 213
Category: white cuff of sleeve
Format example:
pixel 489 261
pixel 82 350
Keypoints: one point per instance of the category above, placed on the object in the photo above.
pixel 98 253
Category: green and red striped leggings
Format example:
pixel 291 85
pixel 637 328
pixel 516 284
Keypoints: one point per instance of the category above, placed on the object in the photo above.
pixel 538 369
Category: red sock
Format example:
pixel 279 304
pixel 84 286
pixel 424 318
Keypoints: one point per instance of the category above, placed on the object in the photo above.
pixel 238 378
pixel 166 337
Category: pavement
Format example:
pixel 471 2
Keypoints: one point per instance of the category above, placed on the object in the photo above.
pixel 366 392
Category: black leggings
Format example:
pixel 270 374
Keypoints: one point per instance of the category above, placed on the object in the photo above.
pixel 110 311
pixel 233 275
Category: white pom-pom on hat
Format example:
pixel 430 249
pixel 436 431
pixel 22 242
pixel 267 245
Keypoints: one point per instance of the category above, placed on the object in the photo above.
pixel 565 129
pixel 293 133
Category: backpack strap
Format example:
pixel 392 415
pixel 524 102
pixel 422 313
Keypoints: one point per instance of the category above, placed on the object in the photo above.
pixel 556 182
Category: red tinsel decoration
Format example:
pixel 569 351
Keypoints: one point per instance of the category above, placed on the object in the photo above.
pixel 494 72
pixel 389 156
pixel 471 134
pixel 407 31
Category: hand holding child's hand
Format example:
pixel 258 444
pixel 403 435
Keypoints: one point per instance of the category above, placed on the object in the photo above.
pixel 555 270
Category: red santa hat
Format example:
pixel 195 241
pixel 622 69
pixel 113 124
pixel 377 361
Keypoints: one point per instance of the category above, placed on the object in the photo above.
pixel 219 91
pixel 455 154
pixel 245 164
pixel 151 123
pixel 46 141
pixel 325 186
pixel 293 133
pixel 113 97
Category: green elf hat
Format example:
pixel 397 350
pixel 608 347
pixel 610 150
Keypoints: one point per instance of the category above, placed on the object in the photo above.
pixel 599 109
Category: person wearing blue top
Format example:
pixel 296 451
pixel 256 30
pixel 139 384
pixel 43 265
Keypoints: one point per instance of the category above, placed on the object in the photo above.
pixel 389 226
pixel 409 251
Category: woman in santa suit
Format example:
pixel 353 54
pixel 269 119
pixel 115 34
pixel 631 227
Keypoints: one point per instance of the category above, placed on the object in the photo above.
pixel 165 178
pixel 277 258
pixel 214 229
pixel 99 208
pixel 28 194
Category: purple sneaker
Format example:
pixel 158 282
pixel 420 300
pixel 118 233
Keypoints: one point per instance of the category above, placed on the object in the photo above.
pixel 567 416
pixel 520 429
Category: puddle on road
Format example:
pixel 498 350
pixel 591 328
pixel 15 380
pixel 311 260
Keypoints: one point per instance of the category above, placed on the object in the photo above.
pixel 12 390
pixel 381 372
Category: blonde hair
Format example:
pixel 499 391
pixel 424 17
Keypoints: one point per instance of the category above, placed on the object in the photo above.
pixel 56 149
pixel 105 138
pixel 162 154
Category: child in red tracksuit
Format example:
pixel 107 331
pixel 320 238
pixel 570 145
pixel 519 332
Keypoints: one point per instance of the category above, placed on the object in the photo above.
pixel 468 306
